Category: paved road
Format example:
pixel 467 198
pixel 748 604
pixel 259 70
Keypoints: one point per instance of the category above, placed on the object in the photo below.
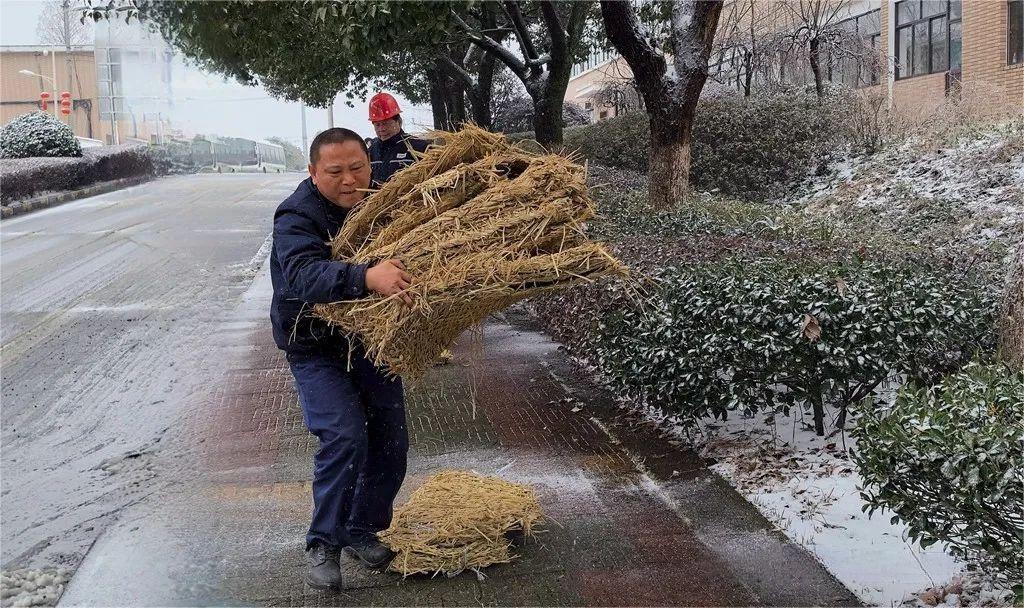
pixel 109 310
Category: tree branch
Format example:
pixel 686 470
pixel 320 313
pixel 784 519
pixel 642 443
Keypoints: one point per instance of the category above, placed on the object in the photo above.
pixel 455 69
pixel 519 27
pixel 630 37
pixel 489 45
pixel 693 31
pixel 554 24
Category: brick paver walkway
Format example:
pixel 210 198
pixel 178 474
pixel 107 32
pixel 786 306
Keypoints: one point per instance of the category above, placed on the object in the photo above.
pixel 633 520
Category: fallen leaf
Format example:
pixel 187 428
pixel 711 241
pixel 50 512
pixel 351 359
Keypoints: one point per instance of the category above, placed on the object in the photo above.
pixel 811 330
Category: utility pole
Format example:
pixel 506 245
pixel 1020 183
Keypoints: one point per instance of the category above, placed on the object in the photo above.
pixel 330 115
pixel 66 11
pixel 305 137
pixel 53 71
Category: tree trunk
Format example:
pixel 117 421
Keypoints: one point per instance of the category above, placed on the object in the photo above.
pixel 438 107
pixel 480 107
pixel 456 103
pixel 668 173
pixel 748 77
pixel 547 122
pixel 671 101
pixel 480 95
pixel 1011 318
pixel 818 410
pixel 815 57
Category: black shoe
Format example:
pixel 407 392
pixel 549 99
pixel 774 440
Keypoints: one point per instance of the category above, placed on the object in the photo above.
pixel 371 553
pixel 324 571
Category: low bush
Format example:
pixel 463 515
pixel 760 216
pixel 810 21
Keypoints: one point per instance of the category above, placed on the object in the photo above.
pixel 27 177
pixel 769 335
pixel 948 461
pixel 38 134
pixel 752 148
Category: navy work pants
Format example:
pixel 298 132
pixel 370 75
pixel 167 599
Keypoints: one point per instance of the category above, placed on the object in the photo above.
pixel 358 415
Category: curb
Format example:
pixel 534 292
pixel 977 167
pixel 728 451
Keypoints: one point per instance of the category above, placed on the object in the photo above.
pixel 59 198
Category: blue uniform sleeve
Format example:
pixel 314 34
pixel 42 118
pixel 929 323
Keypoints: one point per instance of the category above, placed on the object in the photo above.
pixel 311 274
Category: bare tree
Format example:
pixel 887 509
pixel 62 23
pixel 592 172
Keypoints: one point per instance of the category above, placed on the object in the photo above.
pixel 669 96
pixel 748 43
pixel 620 93
pixel 812 31
pixel 53 29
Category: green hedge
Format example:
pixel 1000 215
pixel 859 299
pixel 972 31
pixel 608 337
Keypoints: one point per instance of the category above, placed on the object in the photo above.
pixel 25 178
pixel 948 461
pixel 769 335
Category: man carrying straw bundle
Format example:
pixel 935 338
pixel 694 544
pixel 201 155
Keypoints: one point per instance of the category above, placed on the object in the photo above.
pixel 355 409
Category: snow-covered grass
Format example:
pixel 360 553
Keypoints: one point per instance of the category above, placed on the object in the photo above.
pixel 959 196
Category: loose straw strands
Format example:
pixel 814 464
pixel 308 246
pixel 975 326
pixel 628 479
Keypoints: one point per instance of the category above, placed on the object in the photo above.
pixel 458 520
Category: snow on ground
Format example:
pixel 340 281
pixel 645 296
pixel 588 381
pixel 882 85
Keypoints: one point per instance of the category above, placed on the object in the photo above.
pixel 32 587
pixel 964 194
pixel 808 488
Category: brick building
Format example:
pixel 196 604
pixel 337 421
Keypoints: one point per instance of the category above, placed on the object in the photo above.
pixel 915 52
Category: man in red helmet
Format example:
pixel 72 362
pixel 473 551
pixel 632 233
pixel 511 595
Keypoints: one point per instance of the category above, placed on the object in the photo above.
pixel 392 149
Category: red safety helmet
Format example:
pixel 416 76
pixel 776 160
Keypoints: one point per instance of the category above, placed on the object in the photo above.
pixel 383 107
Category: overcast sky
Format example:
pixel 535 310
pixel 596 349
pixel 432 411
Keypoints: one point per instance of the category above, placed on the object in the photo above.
pixel 206 103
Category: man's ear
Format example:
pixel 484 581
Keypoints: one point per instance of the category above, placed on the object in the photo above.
pixel 312 171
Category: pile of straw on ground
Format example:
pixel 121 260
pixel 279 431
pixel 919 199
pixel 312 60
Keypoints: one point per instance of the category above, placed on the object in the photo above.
pixel 458 520
pixel 480 224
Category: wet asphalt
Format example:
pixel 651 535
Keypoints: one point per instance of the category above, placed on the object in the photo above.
pixel 109 306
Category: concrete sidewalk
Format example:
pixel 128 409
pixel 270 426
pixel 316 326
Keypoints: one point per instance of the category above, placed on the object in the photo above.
pixel 633 520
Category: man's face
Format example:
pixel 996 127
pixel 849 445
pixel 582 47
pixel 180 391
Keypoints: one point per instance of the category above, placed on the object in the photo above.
pixel 342 173
pixel 386 129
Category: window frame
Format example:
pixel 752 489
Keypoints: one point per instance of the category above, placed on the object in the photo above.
pixel 870 38
pixel 907 28
pixel 1019 49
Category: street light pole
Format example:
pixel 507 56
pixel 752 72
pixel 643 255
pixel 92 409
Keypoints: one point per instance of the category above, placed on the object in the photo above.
pixel 114 139
pixel 53 62
pixel 66 12
pixel 305 138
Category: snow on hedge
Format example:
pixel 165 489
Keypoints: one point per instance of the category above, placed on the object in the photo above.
pixel 37 134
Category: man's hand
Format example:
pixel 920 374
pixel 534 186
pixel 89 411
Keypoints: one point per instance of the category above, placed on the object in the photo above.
pixel 388 278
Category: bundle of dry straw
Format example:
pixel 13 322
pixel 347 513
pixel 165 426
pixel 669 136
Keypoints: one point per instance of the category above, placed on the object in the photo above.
pixel 458 520
pixel 480 224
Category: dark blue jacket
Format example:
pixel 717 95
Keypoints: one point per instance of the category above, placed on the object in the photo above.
pixel 303 272
pixel 388 156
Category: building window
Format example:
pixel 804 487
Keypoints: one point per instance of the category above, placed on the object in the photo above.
pixel 856 62
pixel 1015 31
pixel 928 37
